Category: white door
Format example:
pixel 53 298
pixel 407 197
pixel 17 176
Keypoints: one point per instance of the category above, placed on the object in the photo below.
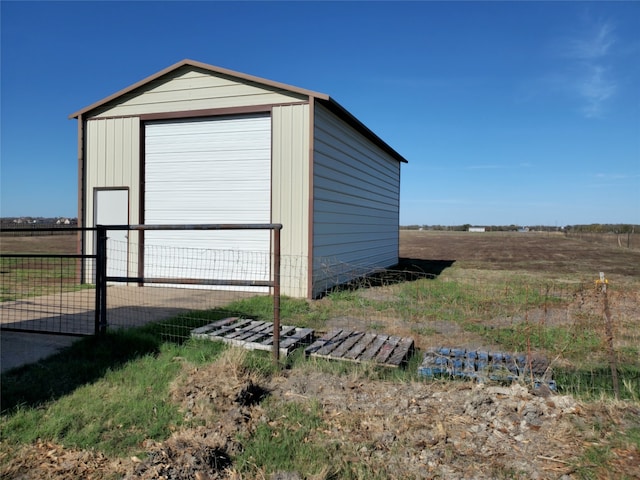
pixel 112 208
pixel 209 170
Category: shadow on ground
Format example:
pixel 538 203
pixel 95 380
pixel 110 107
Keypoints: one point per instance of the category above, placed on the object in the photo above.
pixel 83 362
pixel 89 358
pixel 431 268
pixel 407 270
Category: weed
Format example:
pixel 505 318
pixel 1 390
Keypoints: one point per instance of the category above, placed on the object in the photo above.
pixel 285 441
pixel 112 414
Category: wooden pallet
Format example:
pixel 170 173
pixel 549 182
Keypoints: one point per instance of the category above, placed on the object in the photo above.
pixel 253 334
pixel 353 346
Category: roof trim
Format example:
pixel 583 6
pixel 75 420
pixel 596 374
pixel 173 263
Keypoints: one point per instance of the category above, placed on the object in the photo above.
pixel 203 66
pixel 343 113
pixel 325 99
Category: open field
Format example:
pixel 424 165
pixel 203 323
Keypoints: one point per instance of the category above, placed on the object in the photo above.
pixel 37 276
pixel 178 408
pixel 53 244
pixel 545 255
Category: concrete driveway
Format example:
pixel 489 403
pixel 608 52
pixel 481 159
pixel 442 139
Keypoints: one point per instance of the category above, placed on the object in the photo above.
pixel 74 313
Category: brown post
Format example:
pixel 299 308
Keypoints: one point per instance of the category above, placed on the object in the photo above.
pixel 81 239
pixel 276 294
pixel 608 327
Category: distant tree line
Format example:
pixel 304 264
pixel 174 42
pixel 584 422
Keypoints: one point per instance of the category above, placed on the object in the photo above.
pixel 603 228
pixel 592 228
pixel 489 228
pixel 43 221
pixel 36 226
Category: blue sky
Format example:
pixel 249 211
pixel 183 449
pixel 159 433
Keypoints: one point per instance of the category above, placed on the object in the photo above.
pixel 508 112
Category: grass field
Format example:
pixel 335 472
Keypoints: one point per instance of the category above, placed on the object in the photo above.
pixel 151 402
pixel 28 277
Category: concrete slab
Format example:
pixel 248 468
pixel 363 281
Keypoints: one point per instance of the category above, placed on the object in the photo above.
pixel 17 349
pixel 73 312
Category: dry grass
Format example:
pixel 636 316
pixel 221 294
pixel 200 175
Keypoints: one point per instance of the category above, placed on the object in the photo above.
pixel 52 244
pixel 354 422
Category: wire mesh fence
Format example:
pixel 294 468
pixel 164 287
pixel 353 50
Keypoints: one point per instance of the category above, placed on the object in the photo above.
pixel 585 340
pixel 581 337
pixel 176 294
pixel 621 240
pixel 44 293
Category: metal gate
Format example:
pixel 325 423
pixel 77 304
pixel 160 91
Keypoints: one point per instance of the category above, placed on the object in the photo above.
pixel 66 294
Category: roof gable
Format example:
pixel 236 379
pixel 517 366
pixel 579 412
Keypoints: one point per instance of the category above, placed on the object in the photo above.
pixel 169 72
pixel 155 82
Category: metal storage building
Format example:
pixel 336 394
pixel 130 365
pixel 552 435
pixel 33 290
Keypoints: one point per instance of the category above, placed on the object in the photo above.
pixel 196 143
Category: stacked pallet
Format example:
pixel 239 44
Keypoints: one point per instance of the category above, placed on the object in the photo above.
pixel 484 365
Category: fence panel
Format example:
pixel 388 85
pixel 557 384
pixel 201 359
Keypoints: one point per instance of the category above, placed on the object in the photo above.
pixel 227 272
pixel 41 286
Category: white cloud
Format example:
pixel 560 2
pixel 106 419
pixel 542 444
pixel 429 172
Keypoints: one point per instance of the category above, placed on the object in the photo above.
pixel 589 75
pixel 596 87
pixel 594 45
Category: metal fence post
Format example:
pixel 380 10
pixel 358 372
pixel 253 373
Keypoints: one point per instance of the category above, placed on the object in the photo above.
pixel 101 281
pixel 276 293
pixel 608 328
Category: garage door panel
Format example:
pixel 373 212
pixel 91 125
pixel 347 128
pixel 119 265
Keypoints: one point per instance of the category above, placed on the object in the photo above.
pixel 178 244
pixel 195 125
pixel 220 216
pixel 233 171
pixel 224 159
pixel 229 190
pixel 214 170
pixel 197 145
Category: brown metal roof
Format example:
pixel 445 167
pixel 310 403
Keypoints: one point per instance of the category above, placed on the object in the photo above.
pixel 322 98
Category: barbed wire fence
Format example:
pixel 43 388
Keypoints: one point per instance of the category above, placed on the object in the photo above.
pixel 621 240
pixel 587 339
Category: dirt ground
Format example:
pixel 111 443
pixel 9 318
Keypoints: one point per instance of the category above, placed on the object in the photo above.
pixel 531 252
pixel 52 244
pixel 448 430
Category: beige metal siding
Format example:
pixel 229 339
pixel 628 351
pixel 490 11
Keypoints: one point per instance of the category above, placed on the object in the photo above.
pixel 190 88
pixel 290 193
pixel 113 160
pixel 356 188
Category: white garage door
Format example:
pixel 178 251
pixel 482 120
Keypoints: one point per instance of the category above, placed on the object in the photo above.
pixel 211 170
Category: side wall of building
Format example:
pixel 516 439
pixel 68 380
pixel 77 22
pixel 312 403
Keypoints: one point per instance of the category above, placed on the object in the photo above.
pixel 356 201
